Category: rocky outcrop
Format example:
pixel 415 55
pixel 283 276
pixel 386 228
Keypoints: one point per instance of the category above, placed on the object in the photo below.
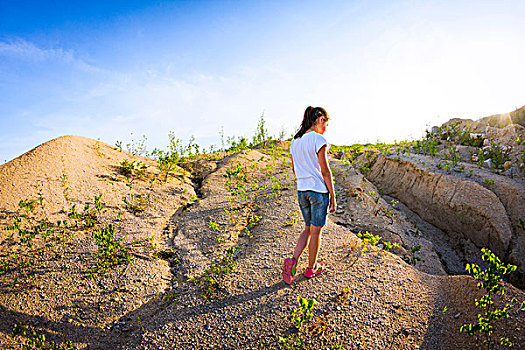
pixel 502 120
pixel 462 208
pixel 511 193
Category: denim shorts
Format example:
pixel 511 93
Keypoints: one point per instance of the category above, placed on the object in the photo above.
pixel 314 207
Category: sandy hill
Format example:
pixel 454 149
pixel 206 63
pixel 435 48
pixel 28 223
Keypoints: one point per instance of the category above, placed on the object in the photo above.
pixel 189 257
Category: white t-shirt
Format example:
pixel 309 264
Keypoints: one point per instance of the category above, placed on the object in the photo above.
pixel 306 163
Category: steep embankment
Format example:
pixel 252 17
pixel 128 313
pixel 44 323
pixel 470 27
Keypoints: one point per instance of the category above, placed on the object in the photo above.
pixel 462 208
pixel 469 182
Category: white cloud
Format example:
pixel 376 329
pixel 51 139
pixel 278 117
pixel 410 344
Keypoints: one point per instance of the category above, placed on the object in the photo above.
pixel 23 49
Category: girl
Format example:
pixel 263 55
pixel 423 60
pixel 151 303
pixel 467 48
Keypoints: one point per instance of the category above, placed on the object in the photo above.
pixel 315 189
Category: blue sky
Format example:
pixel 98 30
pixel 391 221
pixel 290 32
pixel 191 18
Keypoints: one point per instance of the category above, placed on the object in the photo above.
pixel 384 70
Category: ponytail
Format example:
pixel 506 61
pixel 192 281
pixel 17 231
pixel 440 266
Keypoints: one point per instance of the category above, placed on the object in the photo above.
pixel 310 116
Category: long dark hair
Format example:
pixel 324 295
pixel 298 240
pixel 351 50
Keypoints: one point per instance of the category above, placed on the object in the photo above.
pixel 310 116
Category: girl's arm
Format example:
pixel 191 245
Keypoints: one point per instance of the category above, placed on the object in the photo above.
pixel 293 168
pixel 327 176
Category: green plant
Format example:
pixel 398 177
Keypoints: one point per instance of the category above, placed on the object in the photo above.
pixel 389 212
pixel 496 153
pixel 140 324
pixel 428 145
pixel 111 251
pixel 64 182
pixel 40 196
pixel 175 149
pixel 488 181
pixel 455 133
pixel 126 167
pixel 291 341
pixel 491 280
pixel 364 169
pixel 521 224
pixel 138 147
pixel 97 147
pixel 452 155
pixel 166 166
pixel 74 215
pixel 132 168
pixel 361 248
pixel 261 133
pixel 99 206
pixel 118 144
pixel 135 202
pixel 209 279
pixel 27 204
pixel 4 266
pixel 292 220
pixel 19 329
pixel 368 238
pixel 221 232
pixel 389 245
pixel 252 221
pixel 39 342
pixel 413 251
pixel 25 235
pixel 304 312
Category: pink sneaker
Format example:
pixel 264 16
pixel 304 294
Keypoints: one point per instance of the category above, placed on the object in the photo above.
pixel 289 270
pixel 318 269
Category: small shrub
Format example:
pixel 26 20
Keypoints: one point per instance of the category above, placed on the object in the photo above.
pixel 261 133
pixel 496 153
pixel 488 181
pixel 111 251
pixel 132 168
pixel 413 251
pixel 304 312
pixel 209 279
pixel 291 341
pixel 428 145
pixel 491 280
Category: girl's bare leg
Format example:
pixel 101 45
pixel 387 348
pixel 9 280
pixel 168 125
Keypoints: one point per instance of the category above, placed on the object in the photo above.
pixel 313 245
pixel 302 242
pixel 311 237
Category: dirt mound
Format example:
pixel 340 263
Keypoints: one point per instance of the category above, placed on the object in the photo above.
pixel 69 169
pixel 52 199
